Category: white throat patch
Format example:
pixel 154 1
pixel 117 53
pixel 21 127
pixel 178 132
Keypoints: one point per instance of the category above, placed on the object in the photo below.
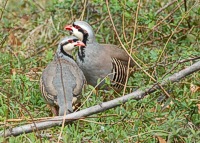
pixel 69 47
pixel 78 34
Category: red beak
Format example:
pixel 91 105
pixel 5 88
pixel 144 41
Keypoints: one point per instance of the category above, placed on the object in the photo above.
pixel 79 43
pixel 68 27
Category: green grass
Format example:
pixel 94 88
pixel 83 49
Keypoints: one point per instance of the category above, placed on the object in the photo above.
pixel 30 31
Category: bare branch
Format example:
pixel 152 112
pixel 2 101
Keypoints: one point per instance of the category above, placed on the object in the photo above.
pixel 137 95
pixel 166 6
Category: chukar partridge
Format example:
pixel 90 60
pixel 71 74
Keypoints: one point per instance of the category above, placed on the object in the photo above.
pixel 62 80
pixel 99 60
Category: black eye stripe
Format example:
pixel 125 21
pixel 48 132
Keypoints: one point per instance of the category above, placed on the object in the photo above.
pixel 63 44
pixel 76 26
pixel 69 41
pixel 75 40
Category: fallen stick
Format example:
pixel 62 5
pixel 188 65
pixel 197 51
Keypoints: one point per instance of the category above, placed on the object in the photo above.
pixel 138 94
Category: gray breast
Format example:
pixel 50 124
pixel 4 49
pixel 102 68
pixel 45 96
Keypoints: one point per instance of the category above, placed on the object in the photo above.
pixel 61 81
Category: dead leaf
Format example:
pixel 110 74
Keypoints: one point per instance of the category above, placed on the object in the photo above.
pixel 194 88
pixel 164 105
pixel 153 110
pixel 13 41
pixel 24 19
pixel 161 140
pixel 13 71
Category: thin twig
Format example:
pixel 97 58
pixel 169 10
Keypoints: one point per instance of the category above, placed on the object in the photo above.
pixel 3 9
pixel 174 32
pixel 159 23
pixel 101 24
pixel 166 6
pixel 189 59
pixel 46 118
pixel 173 11
pixel 83 12
pixel 162 64
pixel 132 42
pixel 38 4
pixel 123 27
pixel 188 20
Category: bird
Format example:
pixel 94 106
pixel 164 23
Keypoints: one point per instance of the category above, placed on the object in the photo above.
pixel 98 61
pixel 62 80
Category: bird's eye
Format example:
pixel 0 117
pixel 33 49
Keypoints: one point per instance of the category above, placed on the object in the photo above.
pixel 70 41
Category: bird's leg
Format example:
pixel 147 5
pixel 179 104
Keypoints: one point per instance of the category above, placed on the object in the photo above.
pixel 54 110
pixel 76 103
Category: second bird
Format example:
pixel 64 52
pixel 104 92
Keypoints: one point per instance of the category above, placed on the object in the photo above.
pixel 100 60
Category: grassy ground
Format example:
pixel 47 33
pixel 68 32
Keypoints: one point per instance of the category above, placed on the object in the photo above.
pixel 30 31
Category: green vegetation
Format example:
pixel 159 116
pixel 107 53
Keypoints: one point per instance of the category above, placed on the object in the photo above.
pixel 30 31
